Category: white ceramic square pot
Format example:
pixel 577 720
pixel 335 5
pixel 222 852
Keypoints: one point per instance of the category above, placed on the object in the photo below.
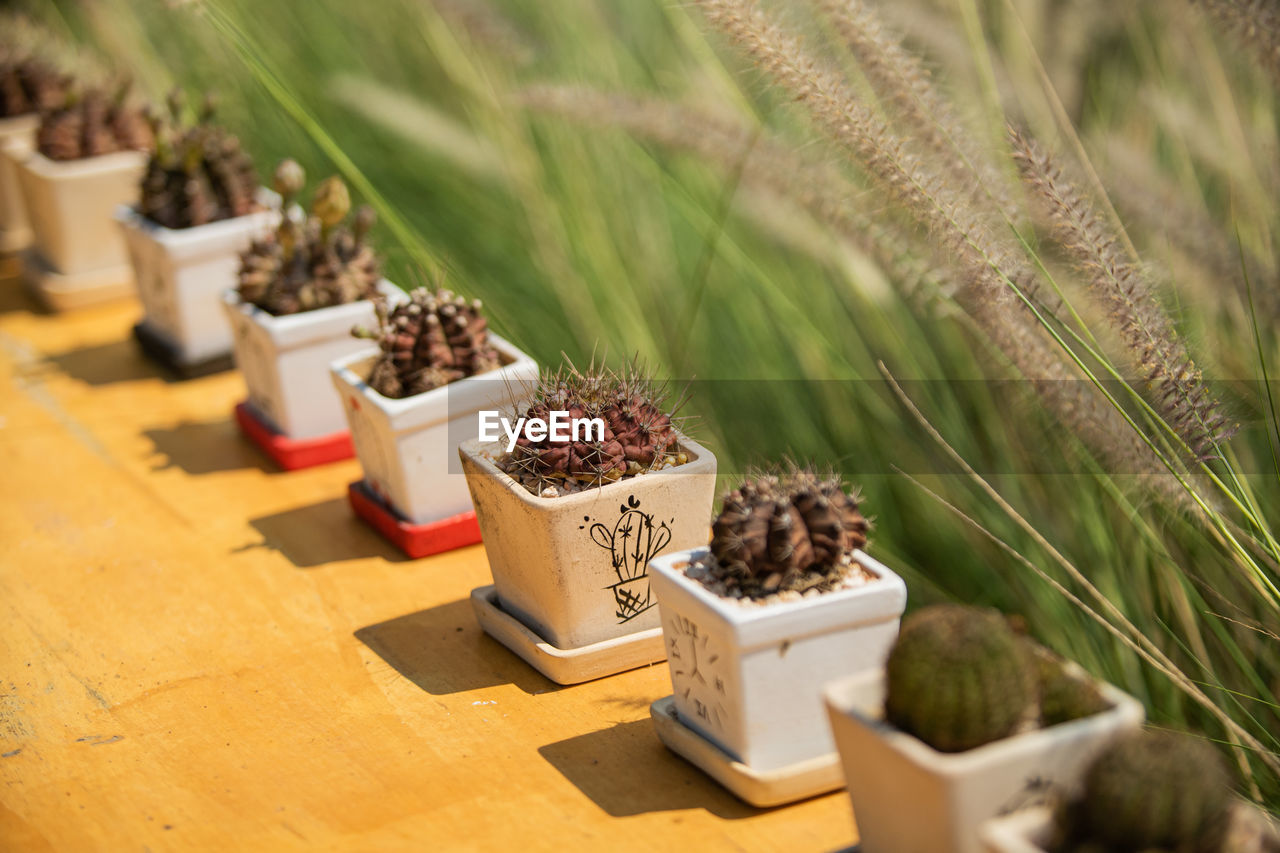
pixel 749 677
pixel 910 798
pixel 183 273
pixel 285 360
pixel 72 204
pixel 408 447
pixel 574 568
pixel 17 135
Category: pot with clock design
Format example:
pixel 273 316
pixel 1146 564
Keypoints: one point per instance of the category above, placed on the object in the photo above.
pixel 757 623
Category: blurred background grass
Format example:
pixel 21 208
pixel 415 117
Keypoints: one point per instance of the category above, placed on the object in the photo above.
pixel 587 240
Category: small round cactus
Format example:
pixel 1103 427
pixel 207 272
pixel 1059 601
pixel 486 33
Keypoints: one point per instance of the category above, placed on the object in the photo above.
pixel 958 677
pixel 1063 696
pixel 638 433
pixel 433 339
pixel 198 173
pixel 796 530
pixel 29 85
pixel 90 123
pixel 1152 790
pixel 311 263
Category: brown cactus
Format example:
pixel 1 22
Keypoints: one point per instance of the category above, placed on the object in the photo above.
pixel 91 124
pixel 637 436
pixel 198 173
pixel 315 262
pixel 434 338
pixel 796 530
pixel 28 85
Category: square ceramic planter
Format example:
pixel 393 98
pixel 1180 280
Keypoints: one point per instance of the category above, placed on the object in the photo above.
pixel 77 255
pixel 183 273
pixel 909 798
pixel 749 677
pixel 285 360
pixel 17 135
pixel 407 447
pixel 574 568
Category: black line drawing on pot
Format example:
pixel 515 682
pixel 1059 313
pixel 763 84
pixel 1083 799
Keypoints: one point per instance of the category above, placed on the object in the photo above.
pixel 632 542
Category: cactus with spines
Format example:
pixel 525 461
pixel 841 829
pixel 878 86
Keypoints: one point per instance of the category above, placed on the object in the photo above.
pixel 314 261
pixel 198 173
pixel 434 338
pixel 958 677
pixel 1150 790
pixel 791 531
pixel 90 123
pixel 638 433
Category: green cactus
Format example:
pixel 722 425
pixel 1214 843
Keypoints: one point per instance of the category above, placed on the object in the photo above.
pixel 1149 790
pixel 790 531
pixel 958 677
pixel 198 173
pixel 1063 696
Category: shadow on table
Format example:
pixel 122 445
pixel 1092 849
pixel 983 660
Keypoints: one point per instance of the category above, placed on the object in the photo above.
pixel 443 650
pixel 104 364
pixel 205 447
pixel 326 532
pixel 605 765
pixel 14 295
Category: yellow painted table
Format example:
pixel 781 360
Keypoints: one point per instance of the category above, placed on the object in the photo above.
pixel 199 650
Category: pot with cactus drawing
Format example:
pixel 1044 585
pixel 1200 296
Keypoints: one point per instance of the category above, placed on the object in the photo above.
pixel 301 288
pixel 88 160
pixel 757 623
pixel 571 523
pixel 968 719
pixel 200 207
pixel 411 401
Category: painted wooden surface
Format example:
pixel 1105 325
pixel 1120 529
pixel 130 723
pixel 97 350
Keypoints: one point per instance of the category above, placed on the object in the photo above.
pixel 199 650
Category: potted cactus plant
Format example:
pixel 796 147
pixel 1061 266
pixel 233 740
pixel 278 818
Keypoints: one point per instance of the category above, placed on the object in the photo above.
pixel 300 289
pixel 1147 790
pixel 968 719
pixel 784 600
pixel 90 154
pixel 571 520
pixel 410 402
pixel 200 207
pixel 28 87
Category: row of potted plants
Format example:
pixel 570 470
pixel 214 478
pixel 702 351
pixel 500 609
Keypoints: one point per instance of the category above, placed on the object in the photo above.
pixel 598 545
